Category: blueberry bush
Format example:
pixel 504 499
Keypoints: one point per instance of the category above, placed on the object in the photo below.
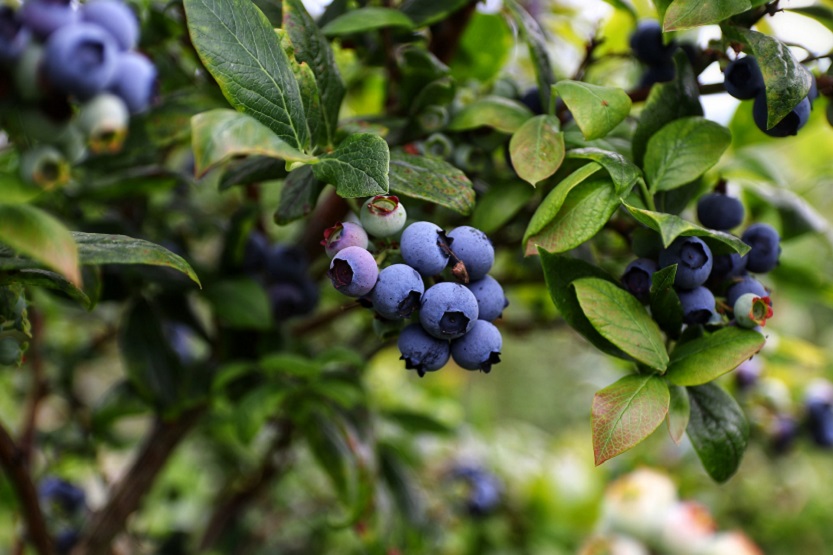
pixel 228 227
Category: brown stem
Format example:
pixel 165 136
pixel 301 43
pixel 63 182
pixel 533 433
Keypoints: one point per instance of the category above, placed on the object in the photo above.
pixel 127 494
pixel 445 36
pixel 325 318
pixel 40 388
pixel 235 501
pixel 16 468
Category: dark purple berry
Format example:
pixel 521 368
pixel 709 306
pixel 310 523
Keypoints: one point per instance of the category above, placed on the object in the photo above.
pixel 479 348
pixel 80 60
pixel 788 126
pixel 68 497
pixel 44 17
pixel 742 78
pixel 255 253
pixel 637 278
pixel 693 259
pixel 285 263
pixel 397 292
pixel 532 100
pixel 726 266
pixel 647 43
pixel 661 73
pixel 698 305
pixel 116 18
pixel 490 298
pixel 289 299
pixel 448 310
pixel 134 81
pixel 424 247
pixel 474 249
pixel 421 351
pixel 765 246
pixel 14 37
pixel 65 540
pixel 343 235
pixel 353 271
pixel 819 406
pixel 719 211
pixel 747 284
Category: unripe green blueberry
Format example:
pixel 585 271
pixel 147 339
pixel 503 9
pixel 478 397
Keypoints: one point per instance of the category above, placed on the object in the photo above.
pixel 471 159
pixel 383 215
pixel 439 145
pixel 752 311
pixel 104 121
pixel 73 144
pixel 433 118
pixel 45 167
pixel 10 351
pixel 27 79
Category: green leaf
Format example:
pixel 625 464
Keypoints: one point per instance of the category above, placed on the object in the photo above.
pixel 428 12
pixel 559 272
pixel 313 49
pixel 499 204
pixel 95 248
pixel 624 6
pixel 670 227
pixel 536 41
pixel 34 233
pixel 683 150
pixel 718 430
pixel 298 197
pixel 623 172
pixel 13 189
pixel 685 14
pixel 484 48
pixel 537 148
pixel 219 135
pixel 308 89
pixel 254 169
pixel 417 422
pixel 498 112
pixel 787 81
pixel 240 303
pixel 597 110
pixel 625 413
pixel 330 449
pixel 358 167
pixel 52 280
pixel 665 304
pixel 255 408
pixel 585 211
pixel 622 320
pixel 666 102
pixel 431 179
pixel 367 19
pixel 679 412
pixel 551 205
pixel 822 14
pixel 710 356
pixel 240 49
pixel 797 215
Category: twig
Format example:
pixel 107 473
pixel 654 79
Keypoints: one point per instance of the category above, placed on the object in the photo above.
pixel 15 466
pixel 233 502
pixel 445 36
pixel 40 388
pixel 127 494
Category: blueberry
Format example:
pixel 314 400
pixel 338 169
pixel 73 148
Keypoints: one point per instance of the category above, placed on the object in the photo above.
pixel 819 406
pixel 255 253
pixel 742 78
pixel 422 352
pixel 661 73
pixel 45 167
pixel 104 121
pixel 479 348
pixel 693 259
pixel 289 299
pixel 353 271
pixel 766 247
pixel 813 93
pixel 424 247
pixel 14 37
pixel 473 249
pixel 490 298
pixel 783 433
pixel 65 540
pixel 343 235
pixel 44 17
pixel 484 489
pixel 438 145
pixel 80 60
pixel 397 292
pixel 647 44
pixel 448 310
pixel 698 305
pixel 719 211
pixel 726 266
pixel 134 81
pixel 68 497
pixel 383 215
pixel 791 123
pixel 285 263
pixel 752 310
pixel 116 18
pixel 747 284
pixel 748 373
pixel 532 100
pixel 637 278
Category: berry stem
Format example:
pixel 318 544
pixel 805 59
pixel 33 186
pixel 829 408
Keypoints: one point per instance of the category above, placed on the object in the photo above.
pixel 647 197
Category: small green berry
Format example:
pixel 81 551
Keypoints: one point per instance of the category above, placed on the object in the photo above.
pixel 752 311
pixel 383 216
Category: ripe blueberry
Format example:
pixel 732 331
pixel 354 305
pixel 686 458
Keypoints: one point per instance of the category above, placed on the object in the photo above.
pixel 448 310
pixel 68 497
pixel 532 100
pixel 747 284
pixel 726 266
pixel 693 259
pixel 383 215
pixel 473 248
pixel 116 18
pixel 397 292
pixel 490 298
pixel 353 271
pixel 660 73
pixel 421 351
pixel 134 81
pixel 424 246
pixel 719 211
pixel 647 44
pixel 791 123
pixel 80 60
pixel 44 17
pixel 479 348
pixel 14 37
pixel 819 406
pixel 766 247
pixel 637 278
pixel 742 78
pixel 343 235
pixel 285 263
pixel 697 304
pixel 292 298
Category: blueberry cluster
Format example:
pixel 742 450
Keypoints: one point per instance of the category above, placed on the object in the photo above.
pixel 743 79
pixel 283 270
pixel 701 275
pixel 64 504
pixel 454 316
pixel 648 47
pixel 76 79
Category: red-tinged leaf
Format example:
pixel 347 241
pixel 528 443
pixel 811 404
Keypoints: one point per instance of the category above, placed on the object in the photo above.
pixel 627 412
